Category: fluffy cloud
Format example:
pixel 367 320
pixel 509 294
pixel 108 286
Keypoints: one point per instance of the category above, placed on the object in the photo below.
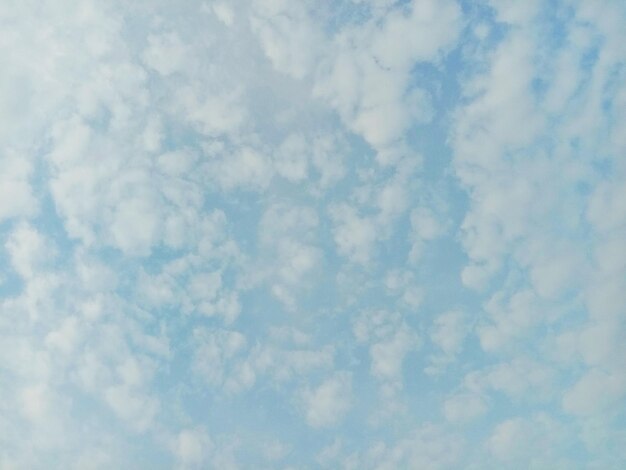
pixel 367 79
pixel 535 441
pixel 327 403
pixel 192 447
pixel 448 333
pixel 390 339
pixel 16 194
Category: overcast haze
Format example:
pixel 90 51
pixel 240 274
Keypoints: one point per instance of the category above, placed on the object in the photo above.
pixel 301 234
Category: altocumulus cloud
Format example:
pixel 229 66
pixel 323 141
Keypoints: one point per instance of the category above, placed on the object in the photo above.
pixel 357 234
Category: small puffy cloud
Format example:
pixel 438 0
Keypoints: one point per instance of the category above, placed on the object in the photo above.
pixel 288 36
pixel 511 318
pixel 354 235
pixel 536 441
pixel 35 401
pixel 464 407
pixel 403 284
pixel 427 446
pixel 192 448
pixel 427 29
pixel 166 53
pixel 326 404
pixel 224 12
pixel 211 112
pixel 17 198
pixel 135 226
pixel 387 355
pixel 29 250
pixel 448 333
pixel 66 337
pixel 218 359
pixel 595 392
pixel 512 12
pixel 248 169
pixel 287 236
pixel 426 225
pixel 390 339
pixel 367 78
pixel 291 159
pixel 135 407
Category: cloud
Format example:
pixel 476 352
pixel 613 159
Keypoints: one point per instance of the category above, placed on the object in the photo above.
pixel 367 78
pixel 135 408
pixel 288 36
pixel 287 236
pixel 426 226
pixel 215 357
pixel 192 447
pixel 16 193
pixel 390 339
pixel 425 447
pixel 448 333
pixel 29 250
pixel 165 53
pixel 326 404
pixel 464 407
pixel 533 441
pixel 352 234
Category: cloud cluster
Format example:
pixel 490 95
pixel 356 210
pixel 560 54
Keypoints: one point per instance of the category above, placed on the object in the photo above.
pixel 350 234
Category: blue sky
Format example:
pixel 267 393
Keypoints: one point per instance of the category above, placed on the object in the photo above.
pixel 352 234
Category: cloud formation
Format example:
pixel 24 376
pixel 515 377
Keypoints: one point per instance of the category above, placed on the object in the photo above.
pixel 352 234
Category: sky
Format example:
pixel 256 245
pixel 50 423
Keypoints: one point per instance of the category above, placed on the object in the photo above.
pixel 312 234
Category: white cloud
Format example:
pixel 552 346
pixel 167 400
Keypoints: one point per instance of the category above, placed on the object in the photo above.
pixel 513 12
pixel 404 284
pixel 327 404
pixel 211 112
pixel 165 53
pixel 464 407
pixel 287 362
pixel 510 318
pixel 66 337
pixel 247 169
pixel 448 333
pixel 215 358
pixel 327 158
pixel 135 226
pixel 426 225
pixel 387 356
pixel 367 79
pixel 224 12
pixel 426 447
pixel 192 448
pixel 138 409
pixel 291 160
pixel 595 392
pixel 390 340
pixel 288 37
pixel 29 250
pixel 17 198
pixel 521 376
pixel 290 255
pixel 35 402
pixel 535 441
pixel 355 235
